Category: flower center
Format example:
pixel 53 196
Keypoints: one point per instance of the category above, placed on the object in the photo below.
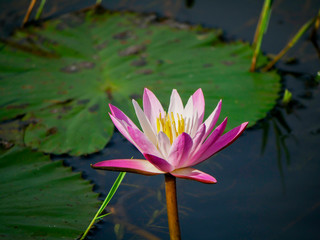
pixel 170 125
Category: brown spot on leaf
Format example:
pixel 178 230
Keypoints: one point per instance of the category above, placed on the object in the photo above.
pixel 63 92
pixel 27 87
pixel 159 62
pixel 122 35
pixel 94 108
pixel 101 45
pixel 143 21
pixel 86 65
pixel 227 63
pixel 70 21
pixel 76 67
pixel 70 69
pixel 19 106
pixel 139 62
pixel 83 101
pixel 51 131
pixel 145 71
pixel 55 110
pixel 66 108
pixel 109 93
pixel 147 41
pixel 177 25
pixel 132 50
pixel 207 65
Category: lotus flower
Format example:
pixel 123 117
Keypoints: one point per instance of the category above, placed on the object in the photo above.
pixel 173 141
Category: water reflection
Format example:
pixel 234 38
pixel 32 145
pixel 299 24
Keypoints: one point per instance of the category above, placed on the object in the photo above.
pixel 281 131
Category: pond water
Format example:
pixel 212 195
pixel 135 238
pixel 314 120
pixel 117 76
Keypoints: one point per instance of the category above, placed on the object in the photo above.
pixel 268 180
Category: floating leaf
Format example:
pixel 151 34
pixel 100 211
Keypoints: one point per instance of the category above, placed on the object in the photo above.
pixel 62 75
pixel 41 199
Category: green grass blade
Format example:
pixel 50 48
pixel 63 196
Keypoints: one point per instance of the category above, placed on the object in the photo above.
pixel 292 42
pixel 261 30
pixel 111 193
pixel 40 9
pixel 102 216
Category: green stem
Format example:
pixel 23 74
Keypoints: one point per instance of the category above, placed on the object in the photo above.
pixel 40 9
pixel 260 31
pixel 172 207
pixel 112 191
pixel 292 42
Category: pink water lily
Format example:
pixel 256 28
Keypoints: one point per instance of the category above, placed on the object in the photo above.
pixel 173 141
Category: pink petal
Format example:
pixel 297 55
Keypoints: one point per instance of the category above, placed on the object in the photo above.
pixel 223 142
pixel 199 137
pixel 117 113
pixel 197 143
pixel 180 149
pixel 193 174
pixel 212 119
pixel 199 104
pixel 197 157
pixel 176 105
pixel 152 107
pixel 160 163
pixel 143 144
pixel 128 165
pixel 122 128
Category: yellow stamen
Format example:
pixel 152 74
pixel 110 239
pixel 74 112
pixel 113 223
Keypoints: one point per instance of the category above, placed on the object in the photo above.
pixel 170 125
pixel 158 123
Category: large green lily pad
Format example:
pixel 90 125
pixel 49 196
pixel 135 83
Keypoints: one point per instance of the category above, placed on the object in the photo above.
pixel 42 199
pixel 60 76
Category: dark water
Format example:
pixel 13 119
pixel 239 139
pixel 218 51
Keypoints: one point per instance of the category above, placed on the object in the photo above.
pixel 268 180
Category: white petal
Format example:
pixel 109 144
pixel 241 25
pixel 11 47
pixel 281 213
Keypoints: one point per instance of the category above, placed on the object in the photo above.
pixel 164 144
pixel 176 105
pixel 188 110
pixel 144 123
pixel 194 127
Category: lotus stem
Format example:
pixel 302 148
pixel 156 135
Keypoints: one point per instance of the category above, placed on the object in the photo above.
pixel 292 42
pixel 26 17
pixel 260 31
pixel 172 207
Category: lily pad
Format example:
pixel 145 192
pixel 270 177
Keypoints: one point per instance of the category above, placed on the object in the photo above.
pixel 60 76
pixel 42 199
